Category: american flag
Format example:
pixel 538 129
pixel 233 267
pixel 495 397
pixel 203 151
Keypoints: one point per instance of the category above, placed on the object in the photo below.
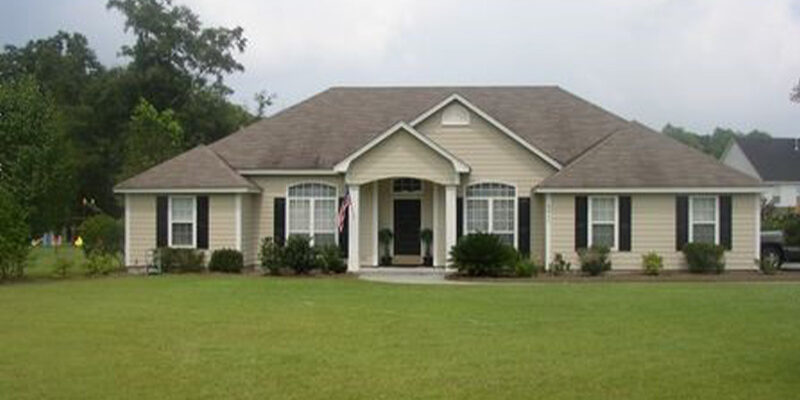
pixel 342 217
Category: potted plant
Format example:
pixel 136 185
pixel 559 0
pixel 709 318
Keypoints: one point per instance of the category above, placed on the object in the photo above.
pixel 426 235
pixel 385 236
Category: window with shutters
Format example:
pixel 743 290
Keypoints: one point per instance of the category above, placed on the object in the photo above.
pixel 704 219
pixel 491 208
pixel 182 221
pixel 603 221
pixel 312 212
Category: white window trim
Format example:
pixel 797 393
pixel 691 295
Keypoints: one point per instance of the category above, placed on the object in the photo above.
pixel 194 223
pixel 716 217
pixel 287 223
pixel 590 221
pixel 515 222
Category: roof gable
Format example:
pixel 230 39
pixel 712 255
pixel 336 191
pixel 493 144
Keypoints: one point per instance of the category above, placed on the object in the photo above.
pixel 774 159
pixel 637 157
pixel 198 168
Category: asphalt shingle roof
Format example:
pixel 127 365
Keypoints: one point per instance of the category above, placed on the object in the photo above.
pixel 774 159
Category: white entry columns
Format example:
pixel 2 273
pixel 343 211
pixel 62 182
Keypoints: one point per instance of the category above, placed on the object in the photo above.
pixel 353 257
pixel 449 219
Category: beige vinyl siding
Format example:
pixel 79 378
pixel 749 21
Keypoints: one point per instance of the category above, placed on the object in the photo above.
pixel 490 153
pixel 142 230
pixel 537 227
pixel 401 155
pixel 250 217
pixel 653 229
pixel 221 221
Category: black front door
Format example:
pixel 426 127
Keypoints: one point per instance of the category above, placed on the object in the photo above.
pixel 406 227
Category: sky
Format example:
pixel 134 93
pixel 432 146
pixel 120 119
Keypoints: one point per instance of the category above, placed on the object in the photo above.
pixel 696 64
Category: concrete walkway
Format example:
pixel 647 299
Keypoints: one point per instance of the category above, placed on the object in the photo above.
pixel 407 275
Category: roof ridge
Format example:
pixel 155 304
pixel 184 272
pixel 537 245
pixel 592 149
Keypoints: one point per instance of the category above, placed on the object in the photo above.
pixel 577 159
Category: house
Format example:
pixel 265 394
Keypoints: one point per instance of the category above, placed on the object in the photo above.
pixel 775 161
pixel 542 168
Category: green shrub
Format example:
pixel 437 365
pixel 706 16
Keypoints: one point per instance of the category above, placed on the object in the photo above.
pixel 526 268
pixel 704 257
pixel 14 237
pixel 226 260
pixel 385 237
pixel 271 256
pixel 298 255
pixel 652 263
pixel 101 233
pixel 180 260
pixel 62 266
pixel 594 260
pixel 559 266
pixel 329 259
pixel 483 254
pixel 768 266
pixel 102 264
pixel 791 230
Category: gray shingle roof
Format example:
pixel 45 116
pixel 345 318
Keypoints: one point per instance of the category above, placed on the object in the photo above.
pixel 326 128
pixel 774 159
pixel 637 157
pixel 197 168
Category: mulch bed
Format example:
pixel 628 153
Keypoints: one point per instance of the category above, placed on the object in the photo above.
pixel 637 276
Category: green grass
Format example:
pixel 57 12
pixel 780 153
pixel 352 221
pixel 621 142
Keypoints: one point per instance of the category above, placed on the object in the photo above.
pixel 42 259
pixel 251 337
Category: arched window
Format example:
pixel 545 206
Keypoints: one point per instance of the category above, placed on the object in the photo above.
pixel 312 212
pixel 491 208
pixel 455 115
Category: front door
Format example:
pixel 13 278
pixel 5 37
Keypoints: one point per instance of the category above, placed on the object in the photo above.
pixel 406 226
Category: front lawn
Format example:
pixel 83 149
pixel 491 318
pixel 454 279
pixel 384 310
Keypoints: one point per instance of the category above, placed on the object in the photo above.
pixel 211 336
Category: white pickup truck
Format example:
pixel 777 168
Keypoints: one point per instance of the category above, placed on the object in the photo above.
pixel 774 247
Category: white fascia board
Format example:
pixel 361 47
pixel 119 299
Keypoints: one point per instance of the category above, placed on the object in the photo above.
pixel 458 165
pixel 287 172
pixel 524 143
pixel 186 190
pixel 754 189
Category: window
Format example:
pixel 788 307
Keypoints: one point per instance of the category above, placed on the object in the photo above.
pixel 703 217
pixel 312 212
pixel 182 219
pixel 603 221
pixel 455 115
pixel 491 208
pixel 407 185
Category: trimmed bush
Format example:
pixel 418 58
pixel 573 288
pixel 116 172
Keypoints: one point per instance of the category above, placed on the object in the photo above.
pixel 271 256
pixel 180 260
pixel 98 263
pixel 559 266
pixel 226 260
pixel 652 263
pixel 791 230
pixel 101 234
pixel 594 260
pixel 526 268
pixel 768 265
pixel 14 237
pixel 298 254
pixel 483 254
pixel 704 258
pixel 329 259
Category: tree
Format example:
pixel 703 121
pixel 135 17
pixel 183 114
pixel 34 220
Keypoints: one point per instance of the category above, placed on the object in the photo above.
pixel 151 138
pixel 13 237
pixel 713 144
pixel 35 161
pixel 796 93
pixel 263 100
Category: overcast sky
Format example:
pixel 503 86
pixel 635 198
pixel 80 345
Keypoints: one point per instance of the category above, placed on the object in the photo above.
pixel 697 64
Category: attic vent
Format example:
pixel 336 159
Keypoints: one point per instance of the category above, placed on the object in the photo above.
pixel 455 115
pixel 796 144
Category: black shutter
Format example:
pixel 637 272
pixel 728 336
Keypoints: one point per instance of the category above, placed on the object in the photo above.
pixel 524 225
pixel 279 221
pixel 681 222
pixel 624 223
pixel 344 245
pixel 725 226
pixel 459 217
pixel 202 222
pixel 162 205
pixel 580 222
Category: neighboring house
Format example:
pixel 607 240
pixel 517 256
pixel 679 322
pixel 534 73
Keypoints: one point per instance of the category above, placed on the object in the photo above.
pixel 775 161
pixel 545 170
